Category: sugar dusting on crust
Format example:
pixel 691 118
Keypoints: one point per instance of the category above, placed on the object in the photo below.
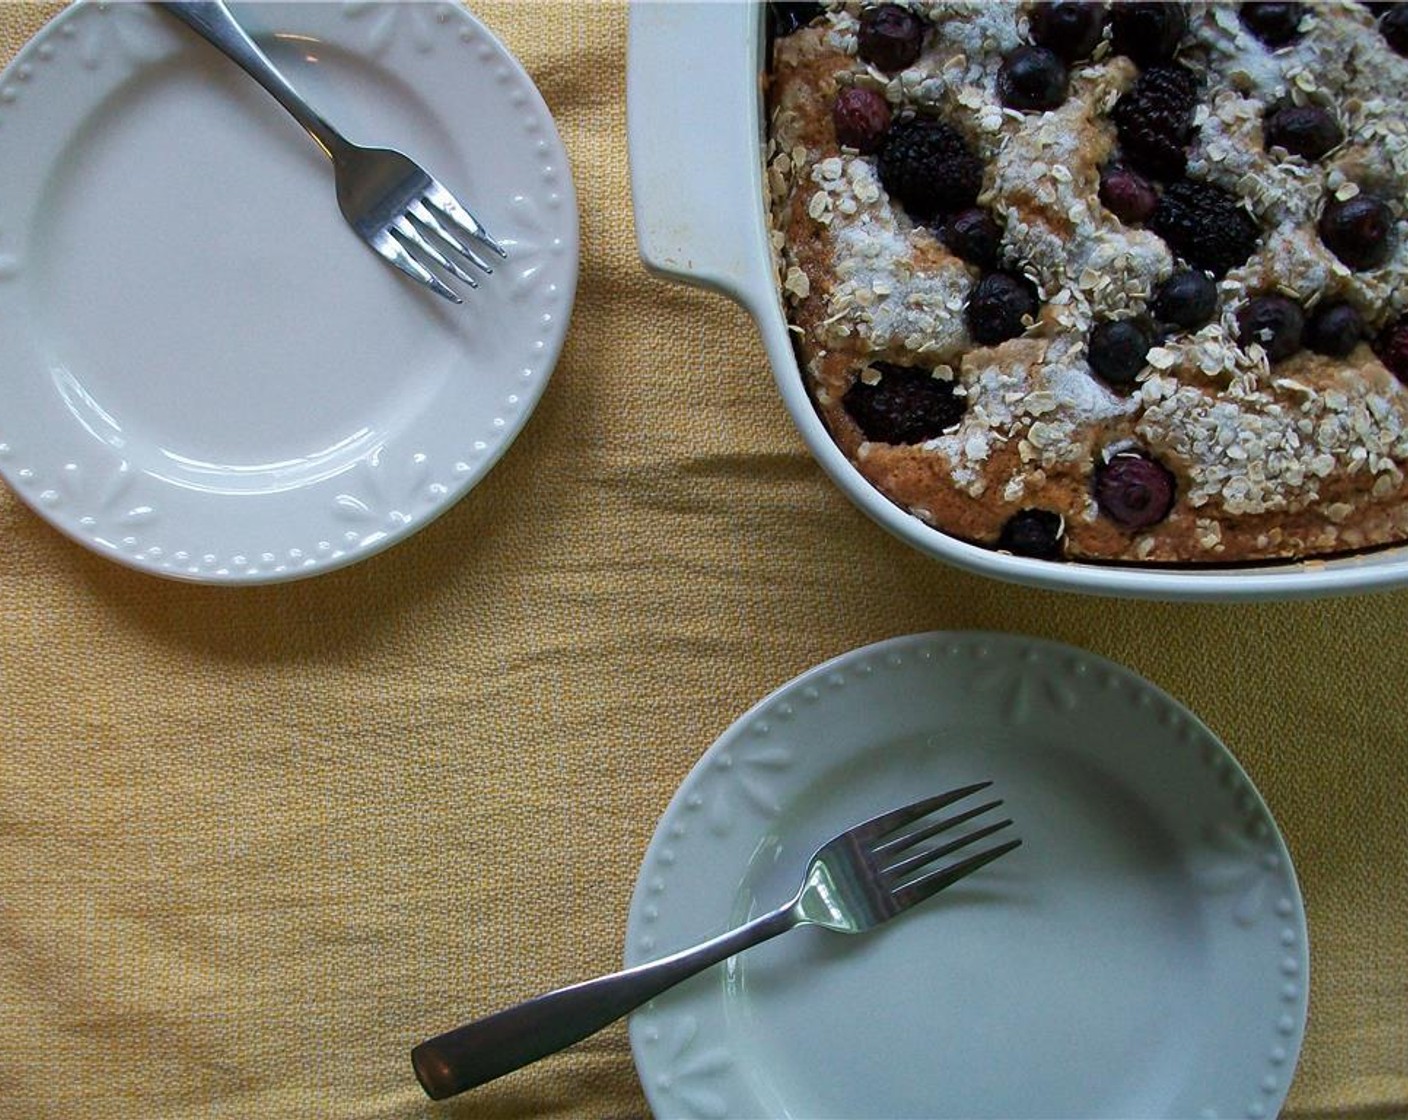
pixel 880 297
pixel 1301 457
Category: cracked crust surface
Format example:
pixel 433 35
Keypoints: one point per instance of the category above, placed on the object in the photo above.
pixel 1299 459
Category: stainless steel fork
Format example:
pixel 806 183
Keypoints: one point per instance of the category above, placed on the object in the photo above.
pixel 391 202
pixel 857 880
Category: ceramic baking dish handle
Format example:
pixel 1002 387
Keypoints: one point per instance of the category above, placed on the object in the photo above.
pixel 694 124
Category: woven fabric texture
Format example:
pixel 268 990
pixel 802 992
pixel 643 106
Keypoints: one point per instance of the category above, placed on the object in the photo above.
pixel 256 843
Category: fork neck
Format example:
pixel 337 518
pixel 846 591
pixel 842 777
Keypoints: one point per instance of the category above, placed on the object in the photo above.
pixel 212 20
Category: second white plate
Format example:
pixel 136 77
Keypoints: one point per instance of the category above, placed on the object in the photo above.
pixel 1143 954
pixel 204 373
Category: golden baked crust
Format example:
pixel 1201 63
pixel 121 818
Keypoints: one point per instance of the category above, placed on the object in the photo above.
pixel 1305 457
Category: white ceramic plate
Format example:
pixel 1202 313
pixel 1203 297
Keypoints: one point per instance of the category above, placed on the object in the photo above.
pixel 1143 954
pixel 203 372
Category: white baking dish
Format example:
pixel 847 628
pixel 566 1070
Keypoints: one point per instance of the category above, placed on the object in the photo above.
pixel 696 129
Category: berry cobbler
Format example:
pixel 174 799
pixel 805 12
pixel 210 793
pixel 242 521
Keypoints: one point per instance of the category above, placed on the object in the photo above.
pixel 1112 282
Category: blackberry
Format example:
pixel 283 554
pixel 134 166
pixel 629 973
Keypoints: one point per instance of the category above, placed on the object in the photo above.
pixel 1275 24
pixel 1359 230
pixel 1149 33
pixel 1155 120
pixel 997 306
pixel 1033 532
pixel 1127 194
pixel 1394 28
pixel 1206 226
pixel 1392 348
pixel 1071 28
pixel 1134 490
pixel 929 168
pixel 907 404
pixel 973 235
pixel 861 117
pixel 1032 78
pixel 1187 299
pixel 1303 130
pixel 1117 351
pixel 1334 330
pixel 1275 322
pixel 890 37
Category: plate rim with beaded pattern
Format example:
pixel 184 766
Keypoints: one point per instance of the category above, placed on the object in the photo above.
pixel 1144 953
pixel 212 379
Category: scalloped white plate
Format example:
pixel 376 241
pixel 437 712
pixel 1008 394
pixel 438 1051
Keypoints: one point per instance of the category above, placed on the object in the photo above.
pixel 204 374
pixel 1143 954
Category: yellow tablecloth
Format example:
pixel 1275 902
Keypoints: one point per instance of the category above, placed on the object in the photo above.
pixel 256 843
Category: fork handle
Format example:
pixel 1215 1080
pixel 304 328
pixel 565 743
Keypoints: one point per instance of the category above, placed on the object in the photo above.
pixel 500 1043
pixel 212 21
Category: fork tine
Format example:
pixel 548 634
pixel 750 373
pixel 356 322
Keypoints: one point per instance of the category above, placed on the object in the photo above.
pixel 392 250
pixel 886 823
pixel 444 203
pixel 925 832
pixel 415 244
pixel 928 855
pixel 930 884
pixel 420 213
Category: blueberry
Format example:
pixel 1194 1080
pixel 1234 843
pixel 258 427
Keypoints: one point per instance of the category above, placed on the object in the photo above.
pixel 997 307
pixel 974 236
pixel 1149 33
pixel 1033 532
pixel 890 37
pixel 1071 28
pixel 1394 28
pixel 861 117
pixel 1359 231
pixel 1134 490
pixel 1128 195
pixel 1187 299
pixel 1334 330
pixel 1392 348
pixel 1118 350
pixel 1275 24
pixel 1303 130
pixel 1032 78
pixel 1275 322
